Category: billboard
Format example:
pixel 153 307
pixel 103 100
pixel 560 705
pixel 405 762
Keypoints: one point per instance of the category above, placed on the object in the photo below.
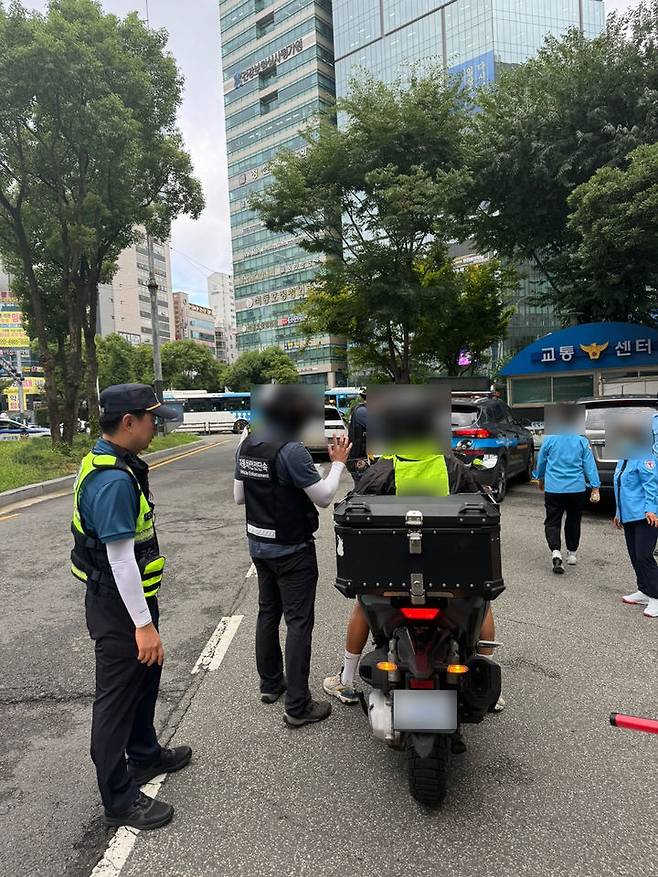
pixel 12 334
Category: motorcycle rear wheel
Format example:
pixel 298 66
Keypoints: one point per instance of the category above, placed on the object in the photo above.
pixel 428 777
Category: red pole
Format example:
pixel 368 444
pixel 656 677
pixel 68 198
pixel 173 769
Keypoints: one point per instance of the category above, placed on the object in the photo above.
pixel 634 723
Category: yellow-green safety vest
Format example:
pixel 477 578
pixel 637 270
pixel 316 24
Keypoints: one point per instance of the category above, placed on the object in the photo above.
pixel 427 476
pixel 89 562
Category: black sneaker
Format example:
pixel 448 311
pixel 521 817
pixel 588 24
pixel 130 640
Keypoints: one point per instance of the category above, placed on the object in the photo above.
pixel 315 712
pixel 273 696
pixel 145 814
pixel 170 761
pixel 457 744
pixel 558 566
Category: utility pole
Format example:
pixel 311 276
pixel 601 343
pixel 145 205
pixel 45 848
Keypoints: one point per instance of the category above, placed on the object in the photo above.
pixel 155 321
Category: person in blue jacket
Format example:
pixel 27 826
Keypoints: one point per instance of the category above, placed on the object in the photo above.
pixel 565 468
pixel 636 494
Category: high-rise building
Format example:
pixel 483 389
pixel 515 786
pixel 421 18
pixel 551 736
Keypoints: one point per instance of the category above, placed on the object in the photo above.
pixel 125 303
pixel 221 299
pixel 194 322
pixel 473 38
pixel 278 76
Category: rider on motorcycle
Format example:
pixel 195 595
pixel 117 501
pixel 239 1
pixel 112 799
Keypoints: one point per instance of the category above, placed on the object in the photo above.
pixel 414 469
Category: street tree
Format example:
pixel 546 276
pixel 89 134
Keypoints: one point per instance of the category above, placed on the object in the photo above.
pixel 90 157
pixel 615 222
pixel 116 361
pixel 544 129
pixel 371 198
pixel 267 366
pixel 187 365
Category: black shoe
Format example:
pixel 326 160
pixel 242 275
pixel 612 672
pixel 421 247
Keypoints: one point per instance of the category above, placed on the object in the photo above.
pixel 315 712
pixel 457 744
pixel 145 814
pixel 273 696
pixel 558 566
pixel 170 761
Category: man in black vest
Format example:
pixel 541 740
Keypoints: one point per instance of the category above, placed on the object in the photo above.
pixel 276 479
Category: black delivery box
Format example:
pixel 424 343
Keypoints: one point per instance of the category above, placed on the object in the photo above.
pixel 418 544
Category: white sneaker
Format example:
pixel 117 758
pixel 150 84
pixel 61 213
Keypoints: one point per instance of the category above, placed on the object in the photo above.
pixel 652 608
pixel 637 598
pixel 345 693
pixel 500 705
pixel 572 560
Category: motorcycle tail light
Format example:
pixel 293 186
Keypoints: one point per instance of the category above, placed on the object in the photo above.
pixel 472 433
pixel 387 666
pixel 457 669
pixel 421 683
pixel 420 613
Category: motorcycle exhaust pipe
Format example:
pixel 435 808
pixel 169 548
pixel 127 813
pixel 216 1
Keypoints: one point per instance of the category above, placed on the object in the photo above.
pixel 634 723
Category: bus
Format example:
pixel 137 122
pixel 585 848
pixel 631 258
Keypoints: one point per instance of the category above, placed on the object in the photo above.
pixel 342 398
pixel 205 412
pixel 210 412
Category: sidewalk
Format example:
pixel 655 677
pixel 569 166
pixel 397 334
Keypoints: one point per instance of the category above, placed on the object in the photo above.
pixel 547 788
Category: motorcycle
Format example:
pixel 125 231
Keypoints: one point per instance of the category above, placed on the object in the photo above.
pixel 424 572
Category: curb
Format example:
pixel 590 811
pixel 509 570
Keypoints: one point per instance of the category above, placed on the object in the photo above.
pixel 58 485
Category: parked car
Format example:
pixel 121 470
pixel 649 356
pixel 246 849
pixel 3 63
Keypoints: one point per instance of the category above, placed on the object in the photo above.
pixel 485 430
pixel 333 425
pixel 595 417
pixel 13 430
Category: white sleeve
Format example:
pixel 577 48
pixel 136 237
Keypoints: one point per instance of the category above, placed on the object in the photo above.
pixel 238 491
pixel 323 491
pixel 121 555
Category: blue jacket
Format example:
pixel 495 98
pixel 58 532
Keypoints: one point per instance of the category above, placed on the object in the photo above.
pixel 566 464
pixel 636 489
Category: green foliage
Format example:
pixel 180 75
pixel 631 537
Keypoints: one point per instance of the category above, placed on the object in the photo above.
pixel 373 199
pixel 267 366
pixel 615 221
pixel 90 153
pixel 546 128
pixel 116 361
pixel 187 365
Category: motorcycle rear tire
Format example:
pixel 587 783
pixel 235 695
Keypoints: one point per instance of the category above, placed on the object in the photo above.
pixel 428 777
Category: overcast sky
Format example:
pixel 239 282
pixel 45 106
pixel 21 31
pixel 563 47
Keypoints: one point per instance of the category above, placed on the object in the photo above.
pixel 201 247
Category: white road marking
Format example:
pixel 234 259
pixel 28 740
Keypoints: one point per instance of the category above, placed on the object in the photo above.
pixel 121 845
pixel 251 571
pixel 213 654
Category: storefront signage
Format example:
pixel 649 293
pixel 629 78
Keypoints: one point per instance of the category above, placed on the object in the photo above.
pixel 589 347
pixel 289 51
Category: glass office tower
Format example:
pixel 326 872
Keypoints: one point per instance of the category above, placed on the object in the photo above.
pixel 278 76
pixel 474 38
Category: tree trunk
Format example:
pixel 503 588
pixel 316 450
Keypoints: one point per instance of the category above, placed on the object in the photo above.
pixel 93 410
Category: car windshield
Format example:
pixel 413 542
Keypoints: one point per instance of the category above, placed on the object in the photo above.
pixel 595 416
pixel 332 414
pixel 5 423
pixel 464 415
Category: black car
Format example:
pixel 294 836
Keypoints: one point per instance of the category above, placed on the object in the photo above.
pixel 486 435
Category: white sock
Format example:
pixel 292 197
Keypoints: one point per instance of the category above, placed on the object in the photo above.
pixel 557 553
pixel 350 663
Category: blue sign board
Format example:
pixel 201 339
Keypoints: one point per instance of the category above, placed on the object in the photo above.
pixel 477 71
pixel 589 347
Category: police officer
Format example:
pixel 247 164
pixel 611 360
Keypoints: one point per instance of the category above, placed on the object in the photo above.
pixel 277 481
pixel 116 555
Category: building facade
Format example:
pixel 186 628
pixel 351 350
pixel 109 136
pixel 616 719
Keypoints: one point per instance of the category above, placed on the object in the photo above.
pixel 473 38
pixel 193 322
pixel 278 77
pixel 125 303
pixel 221 298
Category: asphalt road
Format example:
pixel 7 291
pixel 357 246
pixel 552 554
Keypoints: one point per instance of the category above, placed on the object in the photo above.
pixel 546 788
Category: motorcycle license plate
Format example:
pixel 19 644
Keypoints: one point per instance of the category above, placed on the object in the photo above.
pixel 424 711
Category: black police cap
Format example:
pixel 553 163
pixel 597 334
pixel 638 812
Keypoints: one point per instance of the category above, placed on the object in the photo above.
pixel 122 398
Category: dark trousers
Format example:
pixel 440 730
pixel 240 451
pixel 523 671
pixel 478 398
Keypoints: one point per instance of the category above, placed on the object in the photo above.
pixel 286 587
pixel 641 540
pixel 557 505
pixel 126 692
